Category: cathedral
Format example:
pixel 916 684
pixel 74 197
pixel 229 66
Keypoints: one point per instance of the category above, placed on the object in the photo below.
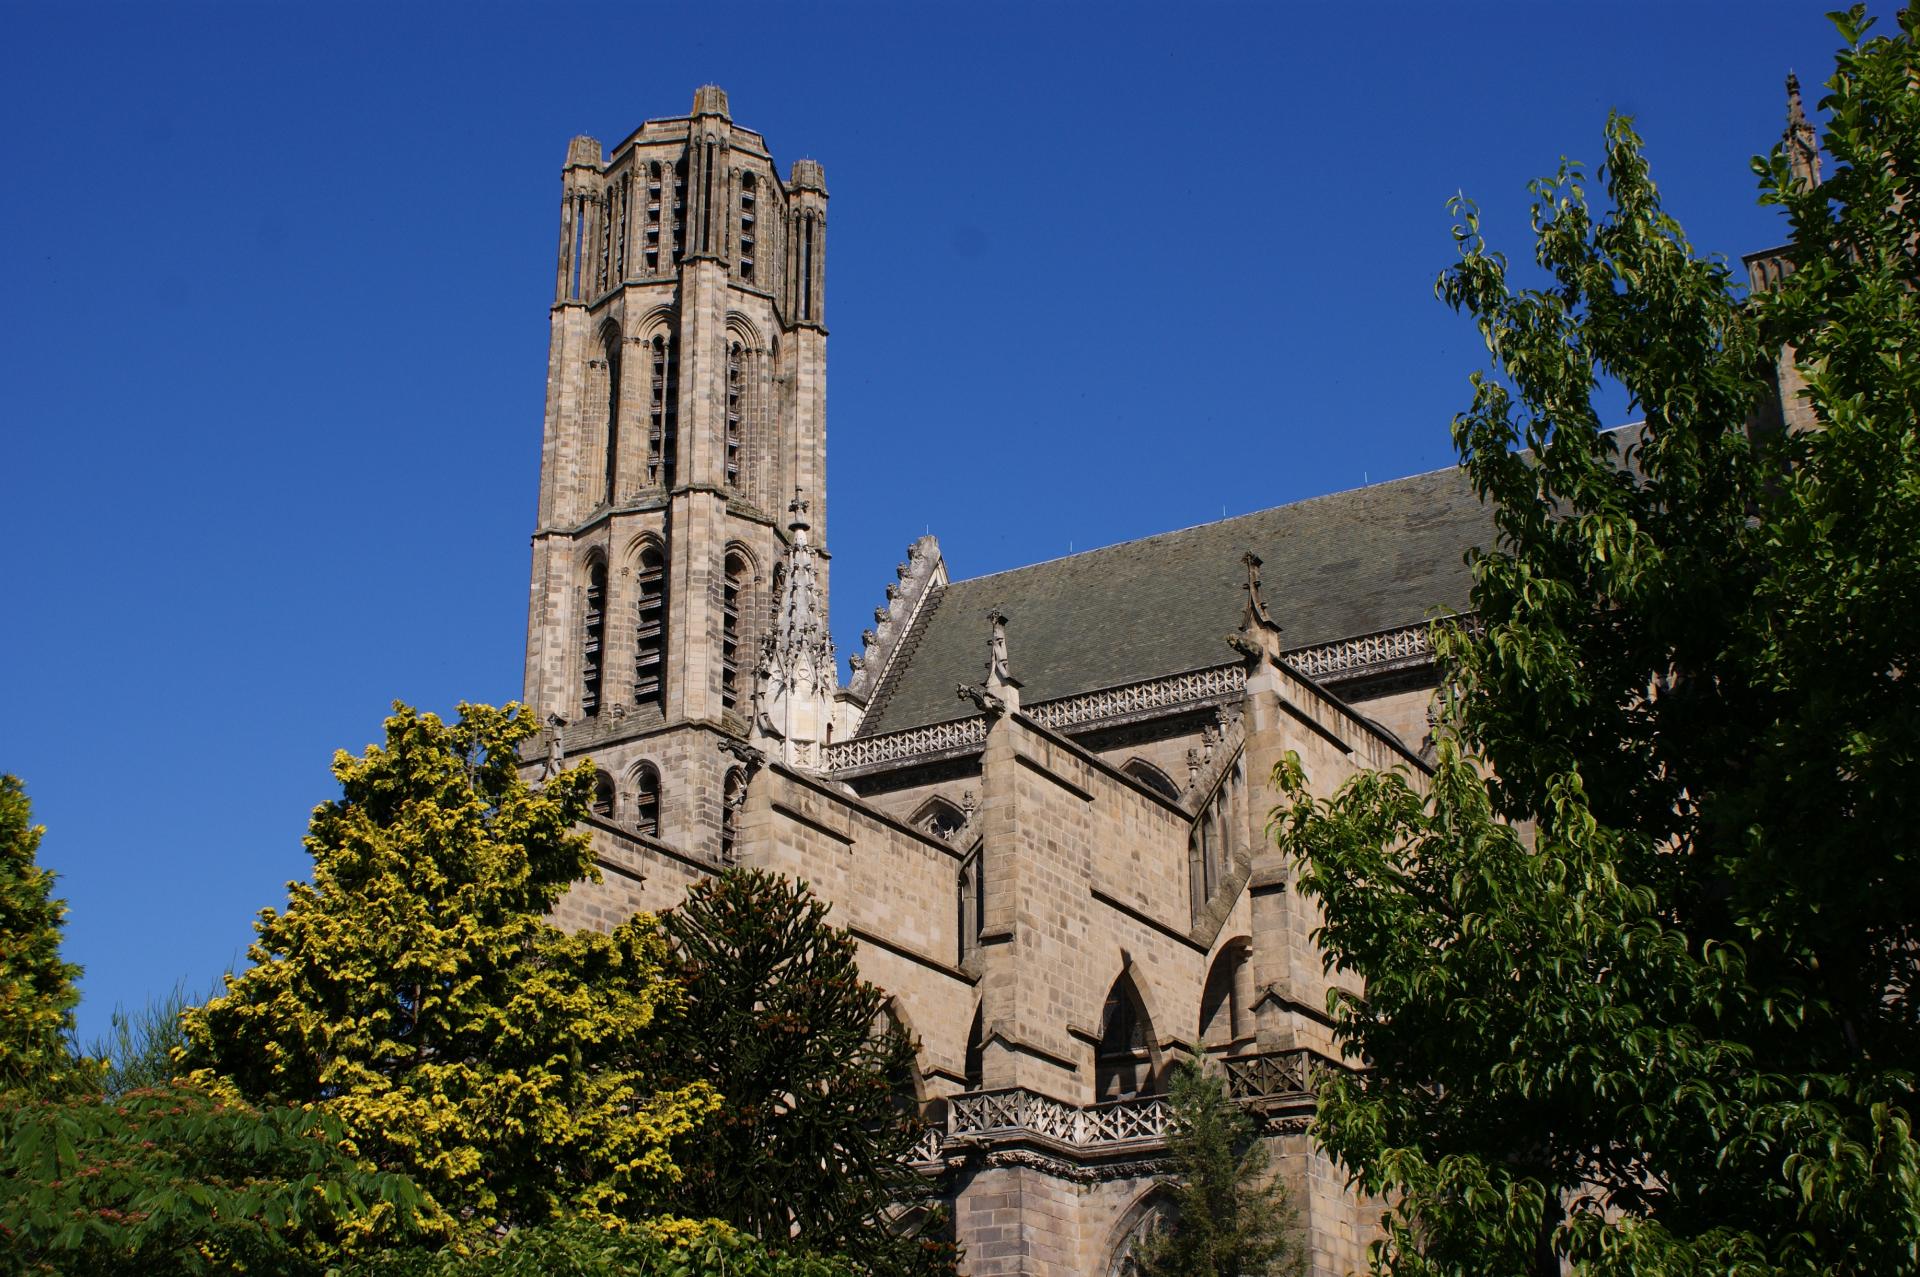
pixel 1039 800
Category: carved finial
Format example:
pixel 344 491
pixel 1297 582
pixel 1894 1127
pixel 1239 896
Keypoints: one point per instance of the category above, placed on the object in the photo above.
pixel 1256 606
pixel 1803 145
pixel 797 512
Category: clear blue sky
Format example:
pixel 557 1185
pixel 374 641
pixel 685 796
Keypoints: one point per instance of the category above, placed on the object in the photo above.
pixel 274 285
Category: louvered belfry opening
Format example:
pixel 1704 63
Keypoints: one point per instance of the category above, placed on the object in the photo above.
pixel 650 629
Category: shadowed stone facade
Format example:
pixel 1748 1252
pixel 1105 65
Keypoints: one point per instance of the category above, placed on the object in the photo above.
pixel 1039 801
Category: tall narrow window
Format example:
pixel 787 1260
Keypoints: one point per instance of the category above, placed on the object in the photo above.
pixel 733 796
pixel 646 800
pixel 736 408
pixel 650 630
pixel 593 634
pixel 579 253
pixel 732 598
pixel 613 417
pixel 663 413
pixel 749 215
pixel 806 268
pixel 651 237
pixel 679 211
pixel 625 190
pixel 1123 1062
pixel 602 803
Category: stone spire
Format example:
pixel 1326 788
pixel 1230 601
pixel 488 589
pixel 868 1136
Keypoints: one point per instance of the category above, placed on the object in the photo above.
pixel 1803 144
pixel 796 678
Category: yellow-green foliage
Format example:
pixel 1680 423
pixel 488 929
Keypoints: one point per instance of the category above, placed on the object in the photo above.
pixel 36 988
pixel 415 989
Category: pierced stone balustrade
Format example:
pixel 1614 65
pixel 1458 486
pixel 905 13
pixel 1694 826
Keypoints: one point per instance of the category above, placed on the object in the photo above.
pixel 1014 1115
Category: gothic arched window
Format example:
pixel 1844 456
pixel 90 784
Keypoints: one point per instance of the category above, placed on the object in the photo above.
pixel 1123 1061
pixel 613 415
pixel 1222 1018
pixel 1153 778
pixel 938 817
pixel 646 799
pixel 592 637
pixel 602 801
pixel 975 1066
pixel 749 216
pixel 651 236
pixel 736 412
pixel 733 597
pixel 650 629
pixel 663 413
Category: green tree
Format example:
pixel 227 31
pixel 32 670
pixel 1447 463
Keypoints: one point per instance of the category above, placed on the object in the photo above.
pixel 141 1048
pixel 1229 1218
pixel 576 1248
pixel 1641 960
pixel 37 993
pixel 812 1142
pixel 414 990
pixel 170 1181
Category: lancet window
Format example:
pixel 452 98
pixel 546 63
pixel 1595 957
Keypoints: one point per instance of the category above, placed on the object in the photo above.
pixel 593 636
pixel 679 211
pixel 733 796
pixel 663 413
pixel 1218 836
pixel 613 416
pixel 602 801
pixel 646 799
pixel 650 238
pixel 736 410
pixel 1123 1061
pixel 650 629
pixel 972 905
pixel 1153 778
pixel 733 591
pixel 749 218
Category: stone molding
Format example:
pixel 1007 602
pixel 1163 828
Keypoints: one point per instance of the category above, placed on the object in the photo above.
pixel 1362 655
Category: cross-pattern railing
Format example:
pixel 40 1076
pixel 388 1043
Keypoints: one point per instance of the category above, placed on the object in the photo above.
pixel 1253 1077
pixel 1017 1110
pixel 1013 1113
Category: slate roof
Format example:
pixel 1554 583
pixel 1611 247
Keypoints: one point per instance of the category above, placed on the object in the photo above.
pixel 1335 567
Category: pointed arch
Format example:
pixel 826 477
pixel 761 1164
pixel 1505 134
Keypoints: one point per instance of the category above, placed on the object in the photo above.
pixel 647 561
pixel 739 575
pixel 938 817
pixel 974 1067
pixel 607 401
pixel 663 406
pixel 1153 778
pixel 593 633
pixel 1126 1057
pixel 733 796
pixel 912 1085
pixel 1224 1018
pixel 1147 1214
pixel 604 798
pixel 643 782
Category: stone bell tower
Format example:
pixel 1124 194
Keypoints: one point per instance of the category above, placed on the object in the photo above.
pixel 685 423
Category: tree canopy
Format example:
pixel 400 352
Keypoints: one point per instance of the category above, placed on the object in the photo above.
pixel 37 993
pixel 1229 1218
pixel 415 991
pixel 819 1119
pixel 1640 959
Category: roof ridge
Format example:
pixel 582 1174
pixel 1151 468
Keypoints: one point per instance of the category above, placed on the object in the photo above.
pixel 1210 523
